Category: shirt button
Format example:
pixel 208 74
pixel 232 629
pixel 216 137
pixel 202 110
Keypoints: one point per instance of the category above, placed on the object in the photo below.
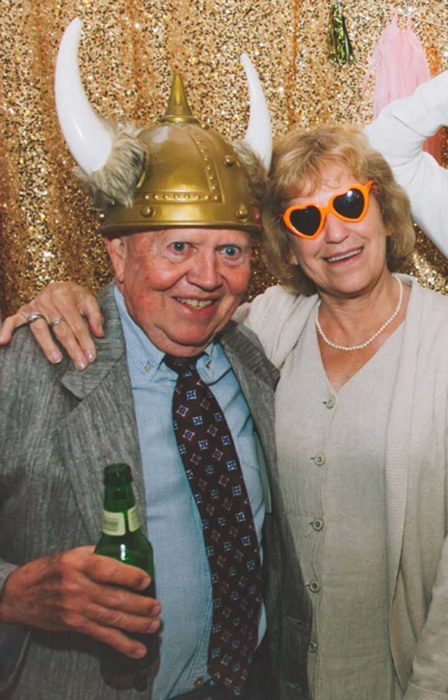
pixel 314 586
pixel 330 402
pixel 199 682
pixel 312 646
pixel 319 460
pixel 318 524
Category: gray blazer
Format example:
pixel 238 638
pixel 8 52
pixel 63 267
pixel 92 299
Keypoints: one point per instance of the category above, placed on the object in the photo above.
pixel 59 428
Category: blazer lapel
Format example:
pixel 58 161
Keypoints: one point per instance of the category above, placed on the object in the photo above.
pixel 102 428
pixel 257 378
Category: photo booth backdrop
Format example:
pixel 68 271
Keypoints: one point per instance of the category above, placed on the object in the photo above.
pixel 128 52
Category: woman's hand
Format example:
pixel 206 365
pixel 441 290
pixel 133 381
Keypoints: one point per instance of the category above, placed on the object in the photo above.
pixel 65 311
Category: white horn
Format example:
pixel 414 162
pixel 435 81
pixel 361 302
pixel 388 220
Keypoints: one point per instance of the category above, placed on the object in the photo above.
pixel 259 130
pixel 89 141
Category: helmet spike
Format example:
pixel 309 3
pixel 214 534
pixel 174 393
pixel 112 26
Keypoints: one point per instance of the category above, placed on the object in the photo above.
pixel 178 109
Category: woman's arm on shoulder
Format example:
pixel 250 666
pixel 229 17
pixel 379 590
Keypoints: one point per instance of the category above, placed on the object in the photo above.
pixel 66 312
pixel 274 316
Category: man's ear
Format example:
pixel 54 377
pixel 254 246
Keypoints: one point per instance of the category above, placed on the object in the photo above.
pixel 116 247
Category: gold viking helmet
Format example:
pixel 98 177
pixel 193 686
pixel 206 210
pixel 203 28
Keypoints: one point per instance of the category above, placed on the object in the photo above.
pixel 177 173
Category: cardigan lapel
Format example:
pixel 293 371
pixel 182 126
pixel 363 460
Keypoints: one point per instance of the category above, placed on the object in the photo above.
pixel 398 438
pixel 102 428
pixel 399 459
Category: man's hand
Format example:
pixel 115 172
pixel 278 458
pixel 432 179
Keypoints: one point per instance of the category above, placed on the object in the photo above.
pixel 79 591
pixel 68 311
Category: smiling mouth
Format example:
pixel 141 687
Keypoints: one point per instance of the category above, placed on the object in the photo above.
pixel 196 303
pixel 344 256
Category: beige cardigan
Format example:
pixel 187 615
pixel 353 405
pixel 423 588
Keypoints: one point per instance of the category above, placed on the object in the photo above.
pixel 415 474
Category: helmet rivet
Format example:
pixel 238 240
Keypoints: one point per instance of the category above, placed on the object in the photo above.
pixel 147 211
pixel 229 161
pixel 242 212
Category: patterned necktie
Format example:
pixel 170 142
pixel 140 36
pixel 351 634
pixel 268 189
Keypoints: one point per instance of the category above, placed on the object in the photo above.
pixel 214 473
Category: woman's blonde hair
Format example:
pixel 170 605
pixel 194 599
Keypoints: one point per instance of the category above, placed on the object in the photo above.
pixel 300 162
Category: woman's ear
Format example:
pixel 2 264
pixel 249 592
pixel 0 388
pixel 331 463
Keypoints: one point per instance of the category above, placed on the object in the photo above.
pixel 292 257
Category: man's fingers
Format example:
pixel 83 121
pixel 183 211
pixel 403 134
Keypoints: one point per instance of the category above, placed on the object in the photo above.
pixel 117 640
pixel 119 619
pixel 116 598
pixel 108 571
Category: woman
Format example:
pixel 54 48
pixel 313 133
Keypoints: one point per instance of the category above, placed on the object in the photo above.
pixel 361 417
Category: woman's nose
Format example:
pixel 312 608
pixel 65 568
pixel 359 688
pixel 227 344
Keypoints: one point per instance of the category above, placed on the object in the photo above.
pixel 335 230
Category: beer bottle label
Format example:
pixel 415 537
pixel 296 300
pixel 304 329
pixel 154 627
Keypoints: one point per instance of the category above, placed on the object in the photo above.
pixel 113 523
pixel 133 519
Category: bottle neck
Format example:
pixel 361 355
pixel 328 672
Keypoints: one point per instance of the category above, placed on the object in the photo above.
pixel 120 515
pixel 119 498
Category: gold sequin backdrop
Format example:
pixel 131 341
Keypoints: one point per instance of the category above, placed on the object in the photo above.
pixel 128 52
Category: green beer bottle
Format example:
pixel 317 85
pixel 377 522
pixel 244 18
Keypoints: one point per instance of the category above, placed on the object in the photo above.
pixel 122 539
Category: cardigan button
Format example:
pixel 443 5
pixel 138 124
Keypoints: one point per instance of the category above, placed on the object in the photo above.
pixel 312 646
pixel 317 524
pixel 330 402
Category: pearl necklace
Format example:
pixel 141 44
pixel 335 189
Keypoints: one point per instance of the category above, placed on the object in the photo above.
pixel 350 348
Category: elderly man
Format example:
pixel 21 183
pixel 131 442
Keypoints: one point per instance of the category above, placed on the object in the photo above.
pixel 178 393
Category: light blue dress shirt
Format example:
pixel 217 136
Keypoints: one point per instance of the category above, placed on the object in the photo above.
pixel 174 525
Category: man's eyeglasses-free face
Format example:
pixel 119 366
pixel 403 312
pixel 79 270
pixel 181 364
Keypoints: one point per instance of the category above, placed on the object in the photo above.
pixel 308 220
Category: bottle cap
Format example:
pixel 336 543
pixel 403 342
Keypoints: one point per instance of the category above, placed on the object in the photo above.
pixel 117 474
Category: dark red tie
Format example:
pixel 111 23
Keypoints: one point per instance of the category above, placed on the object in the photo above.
pixel 214 473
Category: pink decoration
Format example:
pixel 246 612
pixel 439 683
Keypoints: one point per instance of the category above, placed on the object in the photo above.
pixel 400 65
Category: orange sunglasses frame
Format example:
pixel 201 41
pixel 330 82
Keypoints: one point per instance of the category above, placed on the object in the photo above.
pixel 328 209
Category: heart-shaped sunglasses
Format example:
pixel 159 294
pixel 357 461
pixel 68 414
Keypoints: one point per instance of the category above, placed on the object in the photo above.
pixel 308 220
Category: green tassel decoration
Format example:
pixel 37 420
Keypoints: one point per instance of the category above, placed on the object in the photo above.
pixel 341 50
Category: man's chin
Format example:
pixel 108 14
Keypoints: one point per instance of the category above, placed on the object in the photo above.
pixel 184 346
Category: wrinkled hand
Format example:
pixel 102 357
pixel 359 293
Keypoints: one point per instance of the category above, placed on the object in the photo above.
pixel 79 591
pixel 78 310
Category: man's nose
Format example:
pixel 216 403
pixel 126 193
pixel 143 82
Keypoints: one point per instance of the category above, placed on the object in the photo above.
pixel 205 271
